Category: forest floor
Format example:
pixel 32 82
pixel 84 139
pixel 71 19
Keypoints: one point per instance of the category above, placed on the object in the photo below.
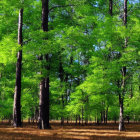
pixel 70 132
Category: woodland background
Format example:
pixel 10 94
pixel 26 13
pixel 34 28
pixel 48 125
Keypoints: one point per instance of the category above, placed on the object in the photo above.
pixel 89 54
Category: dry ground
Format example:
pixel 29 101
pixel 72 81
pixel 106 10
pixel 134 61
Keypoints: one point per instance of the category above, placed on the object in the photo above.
pixel 70 132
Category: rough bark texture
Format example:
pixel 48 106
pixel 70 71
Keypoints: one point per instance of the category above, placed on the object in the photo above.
pixel 44 84
pixel 17 95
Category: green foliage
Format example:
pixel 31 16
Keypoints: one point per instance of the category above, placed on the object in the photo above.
pixel 90 45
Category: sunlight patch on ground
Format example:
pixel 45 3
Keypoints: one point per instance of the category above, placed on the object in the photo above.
pixel 69 132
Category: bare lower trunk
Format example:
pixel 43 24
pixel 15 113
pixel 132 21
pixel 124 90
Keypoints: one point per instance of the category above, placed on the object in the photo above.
pixel 115 120
pixel 101 116
pixel 62 117
pixel 62 120
pixel 67 120
pixel 17 95
pixel 121 118
pixel 79 120
pixel 106 115
pixel 82 116
pixel 76 120
pixel 44 104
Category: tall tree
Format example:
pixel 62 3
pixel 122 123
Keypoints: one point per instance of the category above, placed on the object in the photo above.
pixel 44 84
pixel 17 95
pixel 123 83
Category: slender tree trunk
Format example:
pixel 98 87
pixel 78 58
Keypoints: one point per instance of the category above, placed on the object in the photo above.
pixel 125 12
pixel 82 115
pixel 101 116
pixel 125 20
pixel 86 120
pixel 76 120
pixel 121 96
pixel 17 95
pixel 115 120
pixel 121 118
pixel 79 120
pixel 62 117
pixel 106 115
pixel 44 84
pixel 67 120
pixel 61 76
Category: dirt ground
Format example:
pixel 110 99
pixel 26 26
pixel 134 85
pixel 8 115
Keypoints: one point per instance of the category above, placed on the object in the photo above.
pixel 70 132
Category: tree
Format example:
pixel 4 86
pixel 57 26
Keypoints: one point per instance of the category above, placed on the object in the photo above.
pixel 123 85
pixel 17 95
pixel 44 84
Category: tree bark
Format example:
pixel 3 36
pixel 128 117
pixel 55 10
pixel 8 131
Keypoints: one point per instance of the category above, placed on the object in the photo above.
pixel 106 115
pixel 121 96
pixel 44 109
pixel 61 76
pixel 125 12
pixel 45 13
pixel 44 105
pixel 111 7
pixel 76 120
pixel 17 95
pixel 82 115
pixel 121 118
pixel 79 120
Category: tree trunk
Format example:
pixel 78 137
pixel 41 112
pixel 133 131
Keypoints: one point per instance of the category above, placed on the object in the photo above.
pixel 79 120
pixel 121 99
pixel 106 115
pixel 45 13
pixel 110 7
pixel 121 119
pixel 121 96
pixel 76 120
pixel 44 104
pixel 101 116
pixel 44 85
pixel 115 120
pixel 17 95
pixel 62 117
pixel 67 120
pixel 125 12
pixel 61 76
pixel 82 115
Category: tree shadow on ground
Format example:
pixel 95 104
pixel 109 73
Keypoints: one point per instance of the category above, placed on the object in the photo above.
pixel 69 132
